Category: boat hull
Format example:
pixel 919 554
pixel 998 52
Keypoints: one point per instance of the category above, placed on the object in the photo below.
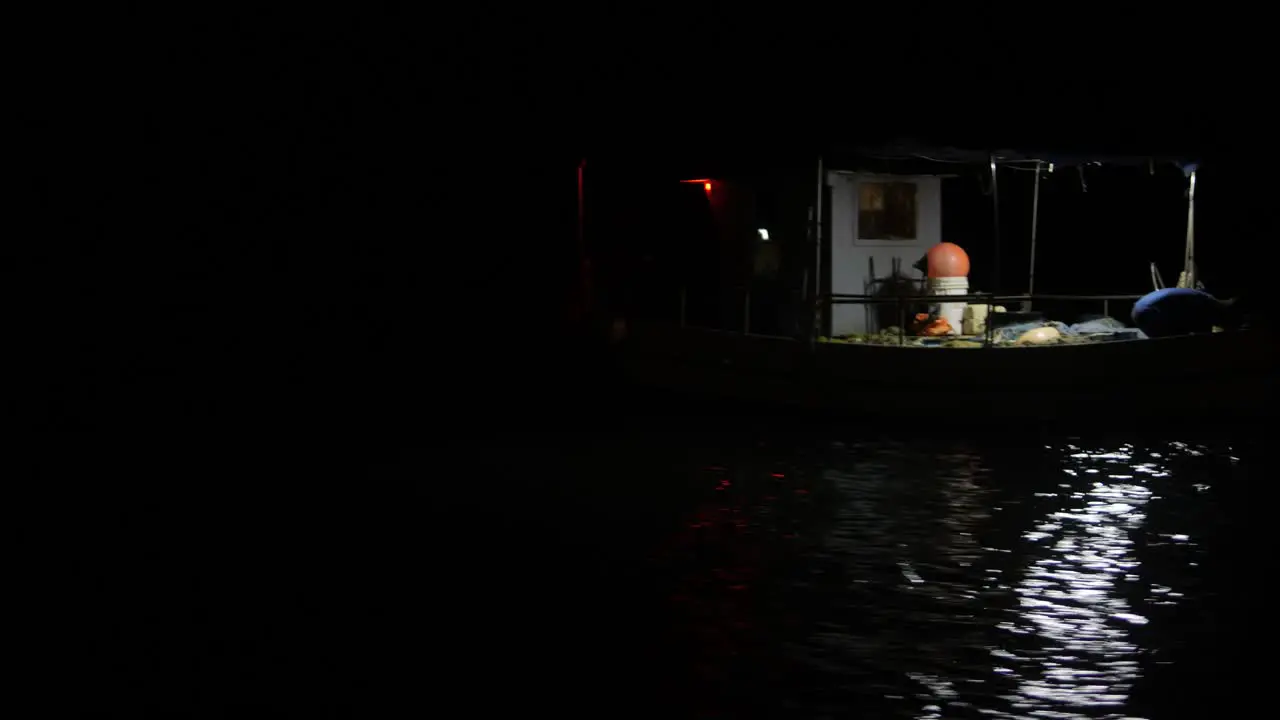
pixel 1225 376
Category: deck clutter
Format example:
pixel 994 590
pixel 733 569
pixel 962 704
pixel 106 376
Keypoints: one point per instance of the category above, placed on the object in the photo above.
pixel 962 324
pixel 1020 333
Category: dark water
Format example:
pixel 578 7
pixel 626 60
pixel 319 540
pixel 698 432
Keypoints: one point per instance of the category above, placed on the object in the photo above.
pixel 945 580
pixel 706 570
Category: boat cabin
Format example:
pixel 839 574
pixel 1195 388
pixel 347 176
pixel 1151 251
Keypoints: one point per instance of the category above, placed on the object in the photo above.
pixel 838 250
pixel 880 227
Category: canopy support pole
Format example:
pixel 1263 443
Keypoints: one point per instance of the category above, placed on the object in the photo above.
pixel 1188 277
pixel 995 232
pixel 819 308
pixel 1035 223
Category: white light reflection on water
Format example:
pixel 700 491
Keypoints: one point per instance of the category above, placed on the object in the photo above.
pixel 947 582
pixel 1068 597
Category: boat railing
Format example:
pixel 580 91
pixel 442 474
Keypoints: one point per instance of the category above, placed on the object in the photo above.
pixel 822 305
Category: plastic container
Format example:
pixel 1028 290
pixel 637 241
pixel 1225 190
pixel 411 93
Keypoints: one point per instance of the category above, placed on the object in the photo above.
pixel 953 312
pixel 975 320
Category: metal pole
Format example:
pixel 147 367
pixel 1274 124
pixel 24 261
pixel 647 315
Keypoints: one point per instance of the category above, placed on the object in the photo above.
pixel 1035 223
pixel 995 232
pixel 817 238
pixel 988 334
pixel 683 302
pixel 902 322
pixel 869 288
pixel 1189 254
pixel 746 312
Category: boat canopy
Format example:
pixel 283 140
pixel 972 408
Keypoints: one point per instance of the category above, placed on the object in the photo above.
pixel 914 157
pixel 911 158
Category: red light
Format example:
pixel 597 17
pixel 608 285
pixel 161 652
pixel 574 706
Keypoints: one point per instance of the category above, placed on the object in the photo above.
pixel 706 186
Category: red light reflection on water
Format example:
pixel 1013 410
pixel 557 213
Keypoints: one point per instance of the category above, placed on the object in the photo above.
pixel 722 560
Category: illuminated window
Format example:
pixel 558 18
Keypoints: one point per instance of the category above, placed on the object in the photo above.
pixel 886 211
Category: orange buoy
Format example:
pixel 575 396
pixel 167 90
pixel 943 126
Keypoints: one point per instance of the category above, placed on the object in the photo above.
pixel 948 260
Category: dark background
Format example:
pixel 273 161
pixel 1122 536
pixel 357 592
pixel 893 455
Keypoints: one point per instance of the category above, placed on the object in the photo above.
pixel 260 250
pixel 274 199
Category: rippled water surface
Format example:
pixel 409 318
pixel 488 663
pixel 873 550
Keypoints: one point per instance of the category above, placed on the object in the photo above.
pixel 707 571
pixel 1060 578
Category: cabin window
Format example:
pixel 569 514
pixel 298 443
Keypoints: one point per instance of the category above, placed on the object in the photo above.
pixel 886 211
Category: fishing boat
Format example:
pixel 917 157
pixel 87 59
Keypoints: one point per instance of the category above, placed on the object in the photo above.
pixel 812 325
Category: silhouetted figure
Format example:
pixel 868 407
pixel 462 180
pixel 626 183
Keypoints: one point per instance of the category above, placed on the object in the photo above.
pixel 1182 311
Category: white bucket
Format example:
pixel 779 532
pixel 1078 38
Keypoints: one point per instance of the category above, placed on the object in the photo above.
pixel 953 312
